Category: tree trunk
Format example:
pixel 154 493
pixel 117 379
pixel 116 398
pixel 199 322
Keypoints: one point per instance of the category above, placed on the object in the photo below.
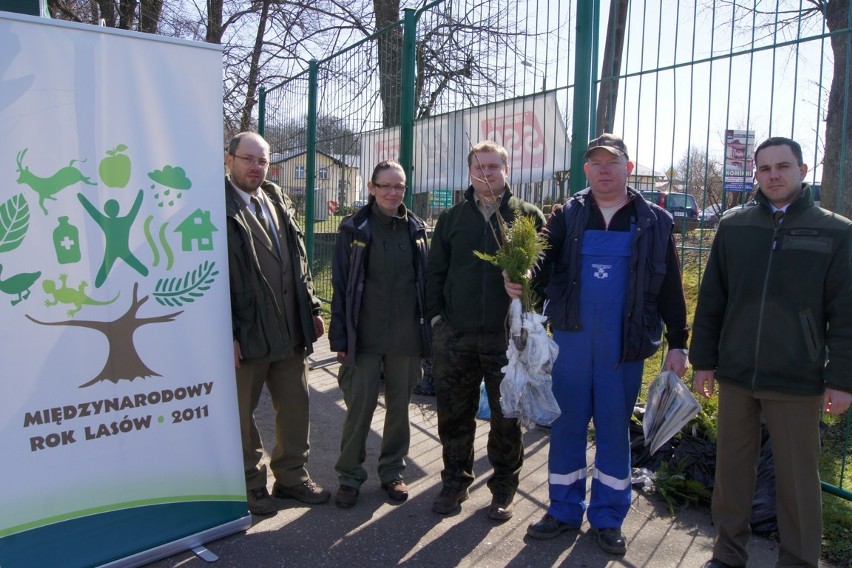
pixel 214 21
pixel 254 69
pixel 107 9
pixel 126 14
pixel 837 167
pixel 390 60
pixel 608 94
pixel 150 12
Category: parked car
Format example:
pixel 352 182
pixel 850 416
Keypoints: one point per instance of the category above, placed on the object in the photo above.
pixel 710 215
pixel 682 206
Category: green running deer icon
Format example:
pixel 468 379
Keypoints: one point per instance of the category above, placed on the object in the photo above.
pixel 46 188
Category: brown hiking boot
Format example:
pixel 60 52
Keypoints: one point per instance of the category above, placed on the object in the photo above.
pixel 306 492
pixel 397 490
pixel 346 497
pixel 449 500
pixel 260 503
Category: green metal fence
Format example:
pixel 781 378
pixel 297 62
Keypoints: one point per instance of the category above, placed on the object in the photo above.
pixel 689 85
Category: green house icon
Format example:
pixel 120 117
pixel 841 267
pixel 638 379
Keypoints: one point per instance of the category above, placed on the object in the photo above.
pixel 198 230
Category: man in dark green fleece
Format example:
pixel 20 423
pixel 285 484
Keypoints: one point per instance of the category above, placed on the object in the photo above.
pixel 467 306
pixel 774 326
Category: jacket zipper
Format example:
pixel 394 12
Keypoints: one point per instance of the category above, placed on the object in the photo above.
pixel 759 333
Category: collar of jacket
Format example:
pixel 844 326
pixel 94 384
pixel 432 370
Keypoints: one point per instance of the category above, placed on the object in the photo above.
pixel 357 222
pixel 804 201
pixel 272 192
pixel 507 194
pixel 402 214
pixel 646 212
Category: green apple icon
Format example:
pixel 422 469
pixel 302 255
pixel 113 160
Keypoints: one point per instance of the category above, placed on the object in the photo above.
pixel 115 168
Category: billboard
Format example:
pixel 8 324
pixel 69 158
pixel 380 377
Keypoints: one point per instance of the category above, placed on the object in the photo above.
pixel 532 131
pixel 739 160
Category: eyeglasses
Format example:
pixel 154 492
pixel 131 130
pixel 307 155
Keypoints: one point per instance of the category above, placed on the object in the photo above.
pixel 399 188
pixel 253 161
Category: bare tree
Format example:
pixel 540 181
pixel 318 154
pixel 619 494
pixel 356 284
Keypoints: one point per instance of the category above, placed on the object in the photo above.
pixel 837 167
pixel 613 50
pixel 701 176
pixel 390 59
pixel 136 15
pixel 214 21
pixel 788 17
pixel 149 15
pixel 254 67
pixel 468 56
pixel 456 57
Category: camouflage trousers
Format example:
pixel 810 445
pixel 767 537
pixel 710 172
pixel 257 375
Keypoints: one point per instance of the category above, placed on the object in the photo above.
pixel 460 361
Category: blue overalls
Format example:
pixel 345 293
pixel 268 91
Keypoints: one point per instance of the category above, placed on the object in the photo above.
pixel 589 381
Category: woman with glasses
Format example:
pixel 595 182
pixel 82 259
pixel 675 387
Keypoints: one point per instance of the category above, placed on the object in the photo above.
pixel 378 326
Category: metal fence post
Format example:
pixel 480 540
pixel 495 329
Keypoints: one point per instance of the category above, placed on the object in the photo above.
pixel 406 111
pixel 261 112
pixel 311 160
pixel 582 91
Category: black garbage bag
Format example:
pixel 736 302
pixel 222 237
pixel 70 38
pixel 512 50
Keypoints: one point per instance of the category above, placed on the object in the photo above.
pixel 640 454
pixel 695 457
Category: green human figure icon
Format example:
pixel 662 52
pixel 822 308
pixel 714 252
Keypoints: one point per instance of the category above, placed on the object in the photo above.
pixel 116 235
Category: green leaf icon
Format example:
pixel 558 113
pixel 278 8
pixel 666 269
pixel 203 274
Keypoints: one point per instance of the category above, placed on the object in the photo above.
pixel 14 222
pixel 179 291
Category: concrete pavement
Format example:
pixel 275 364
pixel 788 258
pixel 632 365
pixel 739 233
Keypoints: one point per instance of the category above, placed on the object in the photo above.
pixel 376 533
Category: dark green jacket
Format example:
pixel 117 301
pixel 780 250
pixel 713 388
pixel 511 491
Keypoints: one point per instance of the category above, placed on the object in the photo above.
pixel 255 315
pixel 349 273
pixel 775 307
pixel 465 291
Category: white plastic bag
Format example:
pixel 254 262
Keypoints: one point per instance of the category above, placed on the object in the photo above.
pixel 526 391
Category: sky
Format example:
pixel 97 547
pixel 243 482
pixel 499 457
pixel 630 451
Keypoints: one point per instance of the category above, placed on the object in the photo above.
pixel 770 91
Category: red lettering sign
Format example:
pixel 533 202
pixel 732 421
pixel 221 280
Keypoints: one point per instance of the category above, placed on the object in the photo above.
pixel 521 135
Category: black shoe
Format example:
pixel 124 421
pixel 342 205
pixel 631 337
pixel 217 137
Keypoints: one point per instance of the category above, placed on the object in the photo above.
pixel 714 563
pixel 611 540
pixel 306 492
pixel 425 387
pixel 548 527
pixel 449 501
pixel 260 503
pixel 346 497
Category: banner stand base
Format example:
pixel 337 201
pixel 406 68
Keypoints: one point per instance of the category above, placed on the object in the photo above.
pixel 193 542
pixel 204 554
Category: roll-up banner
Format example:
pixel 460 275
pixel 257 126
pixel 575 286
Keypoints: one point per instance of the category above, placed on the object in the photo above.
pixel 118 417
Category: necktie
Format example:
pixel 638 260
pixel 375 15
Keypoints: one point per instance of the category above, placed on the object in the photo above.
pixel 777 216
pixel 264 221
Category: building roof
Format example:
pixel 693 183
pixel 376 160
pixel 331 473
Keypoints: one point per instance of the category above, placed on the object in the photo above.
pixel 343 160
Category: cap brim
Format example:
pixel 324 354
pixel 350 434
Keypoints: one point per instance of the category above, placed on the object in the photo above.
pixel 610 149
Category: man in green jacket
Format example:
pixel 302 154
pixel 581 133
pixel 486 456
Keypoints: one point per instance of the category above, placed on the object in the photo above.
pixel 275 321
pixel 774 326
pixel 467 306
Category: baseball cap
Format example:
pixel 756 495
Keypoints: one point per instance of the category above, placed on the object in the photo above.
pixel 609 142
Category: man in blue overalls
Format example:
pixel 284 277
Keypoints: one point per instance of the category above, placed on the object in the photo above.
pixel 611 277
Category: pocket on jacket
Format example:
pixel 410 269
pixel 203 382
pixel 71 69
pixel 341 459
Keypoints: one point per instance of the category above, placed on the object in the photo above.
pixel 809 332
